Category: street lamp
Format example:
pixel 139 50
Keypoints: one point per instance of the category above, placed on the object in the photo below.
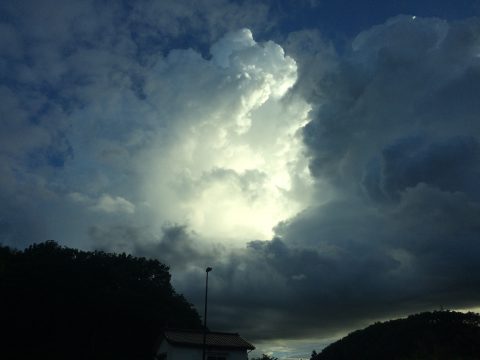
pixel 207 270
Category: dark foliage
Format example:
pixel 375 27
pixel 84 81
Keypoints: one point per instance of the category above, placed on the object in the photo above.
pixel 439 335
pixel 62 303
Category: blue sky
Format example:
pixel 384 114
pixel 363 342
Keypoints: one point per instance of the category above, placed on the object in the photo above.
pixel 321 156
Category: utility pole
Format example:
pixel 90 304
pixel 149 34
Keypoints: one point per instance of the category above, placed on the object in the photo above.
pixel 207 270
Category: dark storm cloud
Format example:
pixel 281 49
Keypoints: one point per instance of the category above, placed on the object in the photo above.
pixel 345 264
pixel 175 245
pixel 450 165
pixel 395 132
pixel 394 84
pixel 400 232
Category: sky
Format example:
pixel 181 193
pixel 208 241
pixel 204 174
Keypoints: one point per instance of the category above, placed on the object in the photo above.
pixel 322 156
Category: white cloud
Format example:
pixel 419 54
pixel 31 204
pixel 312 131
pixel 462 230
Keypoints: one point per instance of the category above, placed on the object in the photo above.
pixel 226 158
pixel 105 203
pixel 109 204
pixel 213 144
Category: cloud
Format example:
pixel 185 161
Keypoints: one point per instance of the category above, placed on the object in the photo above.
pixel 121 133
pixel 397 88
pixel 106 203
pixel 173 128
pixel 449 164
pixel 227 134
pixel 416 256
pixel 400 156
pixel 159 25
pixel 398 231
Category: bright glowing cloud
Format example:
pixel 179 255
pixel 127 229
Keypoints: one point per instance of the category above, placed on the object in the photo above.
pixel 228 159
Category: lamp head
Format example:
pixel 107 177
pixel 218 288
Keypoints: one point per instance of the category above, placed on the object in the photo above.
pixel 208 269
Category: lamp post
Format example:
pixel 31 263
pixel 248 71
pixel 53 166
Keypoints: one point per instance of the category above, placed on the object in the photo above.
pixel 207 270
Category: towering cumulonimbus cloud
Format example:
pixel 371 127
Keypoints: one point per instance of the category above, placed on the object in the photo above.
pixel 394 132
pixel 211 144
pixel 227 155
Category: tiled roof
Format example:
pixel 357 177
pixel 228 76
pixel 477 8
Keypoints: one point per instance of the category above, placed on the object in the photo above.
pixel 214 339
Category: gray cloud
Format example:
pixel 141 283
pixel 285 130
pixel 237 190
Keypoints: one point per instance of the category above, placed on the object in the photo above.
pixel 450 165
pixel 345 264
pixel 398 230
pixel 394 134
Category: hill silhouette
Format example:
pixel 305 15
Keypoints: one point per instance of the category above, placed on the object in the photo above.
pixel 439 335
pixel 63 303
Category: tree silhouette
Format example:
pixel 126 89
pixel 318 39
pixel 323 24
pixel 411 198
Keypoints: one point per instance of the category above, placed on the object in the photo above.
pixel 439 335
pixel 60 303
pixel 265 357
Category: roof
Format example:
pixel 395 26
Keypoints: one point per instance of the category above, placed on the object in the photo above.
pixel 213 339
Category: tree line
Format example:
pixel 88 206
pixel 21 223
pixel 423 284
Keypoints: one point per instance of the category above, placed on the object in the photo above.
pixel 437 335
pixel 63 303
